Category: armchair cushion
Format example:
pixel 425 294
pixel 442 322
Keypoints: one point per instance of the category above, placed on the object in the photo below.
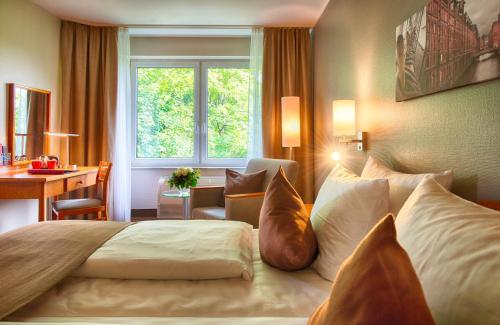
pixel 76 204
pixel 237 183
pixel 208 213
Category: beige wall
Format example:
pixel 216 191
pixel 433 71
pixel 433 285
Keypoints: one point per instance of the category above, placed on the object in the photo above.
pixel 29 55
pixel 457 129
pixel 189 46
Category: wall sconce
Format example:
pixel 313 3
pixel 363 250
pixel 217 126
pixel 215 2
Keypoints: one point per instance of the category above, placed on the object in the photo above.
pixel 344 124
pixel 290 122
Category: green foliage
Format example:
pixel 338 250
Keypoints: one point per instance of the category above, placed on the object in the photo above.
pixel 184 177
pixel 227 112
pixel 165 112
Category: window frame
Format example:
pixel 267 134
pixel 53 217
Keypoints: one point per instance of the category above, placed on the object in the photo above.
pixel 200 152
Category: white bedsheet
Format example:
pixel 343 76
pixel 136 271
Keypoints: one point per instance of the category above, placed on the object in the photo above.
pixel 174 250
pixel 271 293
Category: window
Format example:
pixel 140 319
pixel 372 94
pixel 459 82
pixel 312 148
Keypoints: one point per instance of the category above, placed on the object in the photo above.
pixel 190 113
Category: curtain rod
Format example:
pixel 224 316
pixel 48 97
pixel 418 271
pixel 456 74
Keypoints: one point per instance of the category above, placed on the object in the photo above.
pixel 184 26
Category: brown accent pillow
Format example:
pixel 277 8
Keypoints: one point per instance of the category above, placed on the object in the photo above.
pixel 376 285
pixel 237 183
pixel 286 238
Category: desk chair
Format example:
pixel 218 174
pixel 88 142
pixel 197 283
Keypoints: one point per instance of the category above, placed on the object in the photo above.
pixel 98 206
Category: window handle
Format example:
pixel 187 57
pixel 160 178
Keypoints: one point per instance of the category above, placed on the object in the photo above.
pixel 205 128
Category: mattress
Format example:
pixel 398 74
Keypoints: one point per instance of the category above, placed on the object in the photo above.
pixel 271 293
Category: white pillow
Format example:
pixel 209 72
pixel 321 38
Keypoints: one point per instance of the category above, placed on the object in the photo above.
pixel 454 246
pixel 401 184
pixel 346 208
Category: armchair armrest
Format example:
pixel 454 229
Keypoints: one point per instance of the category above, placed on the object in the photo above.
pixel 205 196
pixel 244 207
pixel 245 195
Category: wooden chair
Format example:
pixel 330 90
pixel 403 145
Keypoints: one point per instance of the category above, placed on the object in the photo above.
pixel 63 208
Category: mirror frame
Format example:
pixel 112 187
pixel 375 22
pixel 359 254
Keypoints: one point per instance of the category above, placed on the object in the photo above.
pixel 11 106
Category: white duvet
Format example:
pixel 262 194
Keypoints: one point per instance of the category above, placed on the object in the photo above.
pixel 174 250
pixel 272 295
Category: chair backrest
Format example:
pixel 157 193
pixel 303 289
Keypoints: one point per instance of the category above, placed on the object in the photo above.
pixel 290 167
pixel 102 179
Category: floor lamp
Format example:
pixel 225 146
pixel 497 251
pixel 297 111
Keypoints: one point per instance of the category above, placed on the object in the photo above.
pixel 290 123
pixel 67 136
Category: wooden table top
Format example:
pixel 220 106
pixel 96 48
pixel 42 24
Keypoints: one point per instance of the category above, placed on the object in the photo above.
pixel 21 175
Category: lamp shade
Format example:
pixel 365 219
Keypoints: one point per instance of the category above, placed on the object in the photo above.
pixel 344 117
pixel 290 121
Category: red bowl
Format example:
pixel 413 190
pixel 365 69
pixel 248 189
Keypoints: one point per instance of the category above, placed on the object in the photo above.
pixel 36 164
pixel 52 164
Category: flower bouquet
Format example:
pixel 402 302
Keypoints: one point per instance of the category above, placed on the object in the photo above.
pixel 183 178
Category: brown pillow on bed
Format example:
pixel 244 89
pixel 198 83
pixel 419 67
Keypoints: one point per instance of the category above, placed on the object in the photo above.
pixel 237 183
pixel 375 285
pixel 286 238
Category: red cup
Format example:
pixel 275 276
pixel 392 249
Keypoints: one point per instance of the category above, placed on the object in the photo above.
pixel 52 164
pixel 36 164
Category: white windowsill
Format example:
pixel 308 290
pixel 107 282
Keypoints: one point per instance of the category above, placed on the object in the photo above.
pixel 200 167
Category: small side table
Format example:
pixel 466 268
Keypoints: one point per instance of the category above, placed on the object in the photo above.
pixel 185 202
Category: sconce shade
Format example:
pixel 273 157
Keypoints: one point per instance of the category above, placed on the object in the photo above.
pixel 290 121
pixel 344 117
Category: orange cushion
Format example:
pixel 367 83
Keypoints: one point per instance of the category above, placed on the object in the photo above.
pixel 286 238
pixel 237 183
pixel 375 285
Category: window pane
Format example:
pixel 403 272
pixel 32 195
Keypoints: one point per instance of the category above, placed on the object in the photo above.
pixel 165 112
pixel 227 112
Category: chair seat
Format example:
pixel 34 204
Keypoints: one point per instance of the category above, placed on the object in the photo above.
pixel 62 205
pixel 209 213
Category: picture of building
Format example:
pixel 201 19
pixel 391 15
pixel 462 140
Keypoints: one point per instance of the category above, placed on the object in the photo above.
pixel 448 44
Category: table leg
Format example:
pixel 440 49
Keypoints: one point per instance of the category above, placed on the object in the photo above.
pixel 185 208
pixel 41 209
pixel 42 204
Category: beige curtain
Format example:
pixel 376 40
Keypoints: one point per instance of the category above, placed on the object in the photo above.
pixel 287 72
pixel 89 57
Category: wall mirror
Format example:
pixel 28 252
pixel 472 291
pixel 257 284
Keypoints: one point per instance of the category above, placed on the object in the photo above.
pixel 29 118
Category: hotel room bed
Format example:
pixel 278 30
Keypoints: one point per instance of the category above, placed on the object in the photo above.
pixel 270 296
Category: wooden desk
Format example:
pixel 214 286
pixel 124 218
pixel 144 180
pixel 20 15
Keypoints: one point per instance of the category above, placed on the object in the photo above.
pixel 18 184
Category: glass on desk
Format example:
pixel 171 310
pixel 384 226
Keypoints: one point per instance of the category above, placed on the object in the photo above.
pixel 184 196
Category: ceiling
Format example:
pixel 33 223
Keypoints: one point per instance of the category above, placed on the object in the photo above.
pixel 188 12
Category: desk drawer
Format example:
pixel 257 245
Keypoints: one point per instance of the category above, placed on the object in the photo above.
pixel 74 183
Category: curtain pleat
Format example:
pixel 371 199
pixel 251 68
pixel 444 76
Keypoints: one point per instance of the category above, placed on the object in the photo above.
pixel 89 67
pixel 287 72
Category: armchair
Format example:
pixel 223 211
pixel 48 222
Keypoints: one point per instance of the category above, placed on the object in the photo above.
pixel 239 207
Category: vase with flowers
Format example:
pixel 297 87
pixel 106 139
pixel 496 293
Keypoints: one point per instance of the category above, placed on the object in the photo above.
pixel 183 178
